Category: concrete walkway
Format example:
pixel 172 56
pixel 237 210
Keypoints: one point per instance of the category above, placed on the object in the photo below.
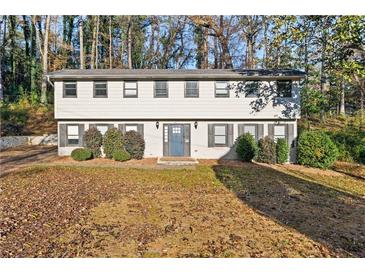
pixel 22 156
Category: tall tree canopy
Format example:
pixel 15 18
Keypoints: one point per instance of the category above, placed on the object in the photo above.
pixel 330 49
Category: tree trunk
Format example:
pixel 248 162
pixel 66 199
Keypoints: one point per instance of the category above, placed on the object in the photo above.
pixel 26 33
pixel 92 58
pixel 81 37
pixel 129 38
pixel 12 34
pixel 97 42
pixel 110 43
pixel 206 49
pixel 45 62
pixel 3 23
pixel 342 102
pixel 33 50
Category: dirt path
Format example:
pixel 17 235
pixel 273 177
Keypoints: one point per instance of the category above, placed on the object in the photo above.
pixel 16 158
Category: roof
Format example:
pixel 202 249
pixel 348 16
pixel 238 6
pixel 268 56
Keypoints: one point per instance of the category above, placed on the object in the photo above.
pixel 147 74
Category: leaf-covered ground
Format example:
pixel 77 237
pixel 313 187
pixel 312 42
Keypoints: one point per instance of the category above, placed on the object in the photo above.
pixel 220 210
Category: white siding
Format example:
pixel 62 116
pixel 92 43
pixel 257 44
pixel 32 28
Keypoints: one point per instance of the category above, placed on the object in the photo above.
pixel 174 107
pixel 199 138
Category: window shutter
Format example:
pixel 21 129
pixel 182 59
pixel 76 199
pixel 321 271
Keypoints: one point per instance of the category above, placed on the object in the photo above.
pixel 271 131
pixel 121 127
pixel 187 140
pixel 290 135
pixel 62 135
pixel 260 131
pixel 210 135
pixel 81 134
pixel 240 129
pixel 230 135
pixel 140 129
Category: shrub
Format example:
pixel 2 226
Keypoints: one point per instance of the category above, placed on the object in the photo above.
pixel 134 144
pixel 316 149
pixel 246 147
pixel 282 151
pixel 121 155
pixel 81 154
pixel 361 154
pixel 267 151
pixel 93 140
pixel 112 141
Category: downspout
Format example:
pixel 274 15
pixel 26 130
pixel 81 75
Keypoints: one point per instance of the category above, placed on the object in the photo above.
pixel 49 81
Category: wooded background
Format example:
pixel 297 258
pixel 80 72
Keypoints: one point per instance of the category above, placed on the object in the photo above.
pixel 330 49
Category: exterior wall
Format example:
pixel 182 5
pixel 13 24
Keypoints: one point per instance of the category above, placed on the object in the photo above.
pixel 199 137
pixel 207 106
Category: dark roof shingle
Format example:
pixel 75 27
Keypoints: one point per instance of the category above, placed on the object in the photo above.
pixel 175 73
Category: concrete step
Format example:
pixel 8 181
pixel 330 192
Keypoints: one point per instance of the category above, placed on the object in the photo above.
pixel 177 161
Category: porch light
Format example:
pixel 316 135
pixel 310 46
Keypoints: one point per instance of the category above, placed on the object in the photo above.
pixel 157 124
pixel 196 124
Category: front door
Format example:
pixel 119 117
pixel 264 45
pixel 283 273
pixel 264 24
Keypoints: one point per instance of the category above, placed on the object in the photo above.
pixel 176 146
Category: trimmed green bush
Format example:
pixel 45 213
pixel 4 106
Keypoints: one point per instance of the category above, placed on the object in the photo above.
pixel 267 151
pixel 316 149
pixel 93 140
pixel 134 144
pixel 282 151
pixel 121 155
pixel 246 147
pixel 81 154
pixel 112 141
pixel 361 154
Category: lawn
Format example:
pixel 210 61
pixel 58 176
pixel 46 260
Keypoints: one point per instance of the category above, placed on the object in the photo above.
pixel 225 209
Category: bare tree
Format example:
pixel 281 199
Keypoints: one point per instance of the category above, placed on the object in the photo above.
pixel 81 37
pixel 45 62
pixel 129 39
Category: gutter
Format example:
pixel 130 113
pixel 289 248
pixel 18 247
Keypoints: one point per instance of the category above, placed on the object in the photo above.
pixel 49 81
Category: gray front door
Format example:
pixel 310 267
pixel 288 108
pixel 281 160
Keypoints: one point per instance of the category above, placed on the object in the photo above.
pixel 176 146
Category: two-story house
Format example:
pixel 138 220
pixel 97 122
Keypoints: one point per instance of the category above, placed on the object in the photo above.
pixel 190 113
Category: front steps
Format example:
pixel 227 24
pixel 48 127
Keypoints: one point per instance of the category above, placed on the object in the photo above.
pixel 177 161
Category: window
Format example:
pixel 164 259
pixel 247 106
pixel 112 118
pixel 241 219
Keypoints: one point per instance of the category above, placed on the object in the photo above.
pixel 102 128
pixel 279 132
pixel 252 88
pixel 130 89
pixel 69 89
pixel 252 129
pixel 221 89
pixel 161 89
pixel 100 89
pixel 191 89
pixel 72 135
pixel 220 135
pixel 284 88
pixel 131 127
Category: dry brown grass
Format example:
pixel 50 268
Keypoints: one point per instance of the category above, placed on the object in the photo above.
pixel 220 210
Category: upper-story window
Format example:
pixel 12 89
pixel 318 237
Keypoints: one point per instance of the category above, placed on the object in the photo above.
pixel 221 89
pixel 252 88
pixel 69 89
pixel 284 88
pixel 100 89
pixel 130 89
pixel 161 89
pixel 191 89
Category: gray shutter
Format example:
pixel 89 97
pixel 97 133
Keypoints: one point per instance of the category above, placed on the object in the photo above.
pixel 271 131
pixel 210 135
pixel 187 140
pixel 290 135
pixel 260 131
pixel 62 135
pixel 165 144
pixel 140 129
pixel 240 129
pixel 81 134
pixel 230 135
pixel 121 127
